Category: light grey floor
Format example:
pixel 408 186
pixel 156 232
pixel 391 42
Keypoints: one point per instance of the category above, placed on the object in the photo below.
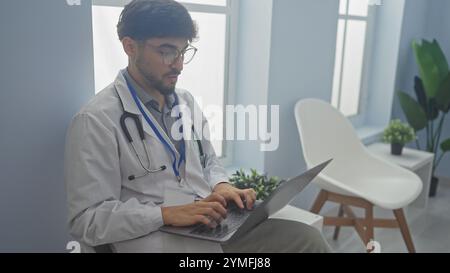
pixel 430 228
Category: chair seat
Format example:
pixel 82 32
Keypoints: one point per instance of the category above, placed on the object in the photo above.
pixel 382 183
pixel 388 192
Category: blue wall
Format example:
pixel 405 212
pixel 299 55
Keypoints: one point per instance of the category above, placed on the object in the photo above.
pixel 46 75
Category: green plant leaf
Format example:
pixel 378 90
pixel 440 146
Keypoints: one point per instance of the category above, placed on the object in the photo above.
pixel 433 110
pixel 429 70
pixel 398 132
pixel 443 95
pixel 420 93
pixel 439 58
pixel 413 111
pixel 261 183
pixel 445 145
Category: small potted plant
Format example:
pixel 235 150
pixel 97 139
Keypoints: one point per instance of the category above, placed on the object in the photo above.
pixel 398 134
pixel 261 183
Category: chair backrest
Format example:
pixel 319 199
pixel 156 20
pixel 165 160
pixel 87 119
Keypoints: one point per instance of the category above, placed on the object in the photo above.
pixel 325 133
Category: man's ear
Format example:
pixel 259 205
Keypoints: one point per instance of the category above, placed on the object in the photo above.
pixel 129 46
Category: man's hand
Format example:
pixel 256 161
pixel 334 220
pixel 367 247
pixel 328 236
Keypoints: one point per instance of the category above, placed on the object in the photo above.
pixel 230 192
pixel 209 211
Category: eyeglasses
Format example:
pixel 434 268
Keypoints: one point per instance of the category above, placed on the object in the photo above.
pixel 170 55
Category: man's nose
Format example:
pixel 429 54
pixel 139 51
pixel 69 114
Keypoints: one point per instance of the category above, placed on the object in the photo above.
pixel 178 64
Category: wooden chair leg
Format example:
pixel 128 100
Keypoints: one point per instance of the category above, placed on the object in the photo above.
pixel 338 228
pixel 320 201
pixel 369 226
pixel 400 216
pixel 363 226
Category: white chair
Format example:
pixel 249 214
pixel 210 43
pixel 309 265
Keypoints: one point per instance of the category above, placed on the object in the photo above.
pixel 355 177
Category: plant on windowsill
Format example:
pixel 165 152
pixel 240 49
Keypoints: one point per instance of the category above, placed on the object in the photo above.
pixel 261 183
pixel 432 103
pixel 398 134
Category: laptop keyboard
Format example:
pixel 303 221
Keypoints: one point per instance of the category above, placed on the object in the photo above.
pixel 235 217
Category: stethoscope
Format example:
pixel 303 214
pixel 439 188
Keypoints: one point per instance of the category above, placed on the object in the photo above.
pixel 140 128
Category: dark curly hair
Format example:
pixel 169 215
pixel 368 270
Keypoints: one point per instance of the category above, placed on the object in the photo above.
pixel 146 19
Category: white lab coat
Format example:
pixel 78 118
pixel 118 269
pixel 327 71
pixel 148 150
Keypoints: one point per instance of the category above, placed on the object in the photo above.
pixel 104 206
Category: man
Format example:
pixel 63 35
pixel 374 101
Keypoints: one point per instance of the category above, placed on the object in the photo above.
pixel 122 190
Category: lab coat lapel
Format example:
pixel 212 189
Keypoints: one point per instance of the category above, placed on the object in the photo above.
pixel 186 130
pixel 194 170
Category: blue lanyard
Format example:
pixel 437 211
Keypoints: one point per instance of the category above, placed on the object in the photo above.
pixel 175 166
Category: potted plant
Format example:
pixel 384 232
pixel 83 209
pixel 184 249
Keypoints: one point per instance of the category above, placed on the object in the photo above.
pixel 432 104
pixel 398 134
pixel 261 183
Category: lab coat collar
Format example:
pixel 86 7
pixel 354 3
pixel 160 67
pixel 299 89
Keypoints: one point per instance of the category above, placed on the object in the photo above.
pixel 125 96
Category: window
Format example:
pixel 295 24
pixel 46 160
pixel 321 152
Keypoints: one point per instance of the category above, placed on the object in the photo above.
pixel 352 56
pixel 207 77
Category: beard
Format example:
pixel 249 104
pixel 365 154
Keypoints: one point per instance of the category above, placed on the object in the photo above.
pixel 154 82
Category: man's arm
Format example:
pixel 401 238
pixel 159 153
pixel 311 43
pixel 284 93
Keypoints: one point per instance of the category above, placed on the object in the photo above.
pixel 93 181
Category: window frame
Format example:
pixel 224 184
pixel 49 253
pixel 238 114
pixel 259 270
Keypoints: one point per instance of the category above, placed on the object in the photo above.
pixel 359 118
pixel 231 11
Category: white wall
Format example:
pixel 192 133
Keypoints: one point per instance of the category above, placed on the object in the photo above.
pixel 301 66
pixel 384 60
pixel 286 53
pixel 253 64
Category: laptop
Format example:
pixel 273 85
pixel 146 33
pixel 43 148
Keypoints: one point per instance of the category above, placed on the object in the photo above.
pixel 240 221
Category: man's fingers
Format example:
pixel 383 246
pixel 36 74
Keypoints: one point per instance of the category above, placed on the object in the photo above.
pixel 220 209
pixel 215 197
pixel 238 200
pixel 210 212
pixel 216 206
pixel 249 200
pixel 219 198
pixel 254 194
pixel 203 220
pixel 249 195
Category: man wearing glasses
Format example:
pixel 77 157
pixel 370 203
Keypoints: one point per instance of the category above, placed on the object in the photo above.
pixel 126 179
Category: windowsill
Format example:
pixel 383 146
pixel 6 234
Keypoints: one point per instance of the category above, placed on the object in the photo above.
pixel 231 170
pixel 369 134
